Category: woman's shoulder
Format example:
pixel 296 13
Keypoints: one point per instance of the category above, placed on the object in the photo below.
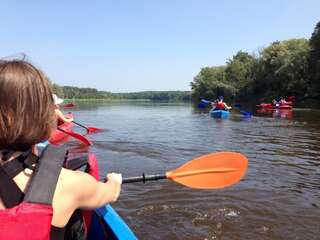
pixel 71 178
pixel 75 182
pixel 67 196
pixel 69 187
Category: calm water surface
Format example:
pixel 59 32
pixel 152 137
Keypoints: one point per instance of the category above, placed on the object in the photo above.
pixel 279 198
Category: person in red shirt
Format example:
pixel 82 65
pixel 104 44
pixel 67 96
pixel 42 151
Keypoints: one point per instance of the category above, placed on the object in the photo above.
pixel 219 104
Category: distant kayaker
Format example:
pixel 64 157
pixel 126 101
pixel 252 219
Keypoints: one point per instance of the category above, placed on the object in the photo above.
pixel 219 104
pixel 37 201
pixel 282 101
pixel 275 103
pixel 60 116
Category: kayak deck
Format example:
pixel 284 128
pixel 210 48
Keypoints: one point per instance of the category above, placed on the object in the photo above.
pixel 219 113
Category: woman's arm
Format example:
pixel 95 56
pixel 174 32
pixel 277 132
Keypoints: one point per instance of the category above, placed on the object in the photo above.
pixel 76 189
pixel 98 193
pixel 90 193
pixel 226 106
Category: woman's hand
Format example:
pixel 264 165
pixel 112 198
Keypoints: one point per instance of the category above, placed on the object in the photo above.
pixel 117 177
pixel 116 180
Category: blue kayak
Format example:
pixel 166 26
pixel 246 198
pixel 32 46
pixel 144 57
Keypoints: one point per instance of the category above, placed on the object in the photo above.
pixel 107 224
pixel 219 113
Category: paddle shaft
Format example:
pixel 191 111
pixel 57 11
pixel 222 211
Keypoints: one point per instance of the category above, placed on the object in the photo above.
pixel 144 178
pixel 205 101
pixel 80 125
pixel 244 113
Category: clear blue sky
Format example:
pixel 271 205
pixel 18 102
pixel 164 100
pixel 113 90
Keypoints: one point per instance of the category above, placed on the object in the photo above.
pixel 137 45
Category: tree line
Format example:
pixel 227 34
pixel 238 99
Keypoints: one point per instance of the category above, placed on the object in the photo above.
pixel 284 68
pixel 70 92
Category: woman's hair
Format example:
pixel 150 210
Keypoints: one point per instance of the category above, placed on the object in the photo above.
pixel 26 105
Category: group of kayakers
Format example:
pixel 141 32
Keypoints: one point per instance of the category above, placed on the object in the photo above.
pixel 282 104
pixel 282 101
pixel 219 104
pixel 39 198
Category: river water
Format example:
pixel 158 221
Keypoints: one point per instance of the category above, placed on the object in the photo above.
pixel 279 198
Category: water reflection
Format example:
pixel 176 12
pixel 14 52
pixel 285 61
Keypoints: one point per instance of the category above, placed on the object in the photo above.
pixel 276 113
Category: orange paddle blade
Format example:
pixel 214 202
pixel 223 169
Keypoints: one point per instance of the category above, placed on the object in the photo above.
pixel 215 170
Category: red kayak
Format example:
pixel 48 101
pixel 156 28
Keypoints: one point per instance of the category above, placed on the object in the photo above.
pixel 271 106
pixel 69 105
pixel 284 106
pixel 58 136
pixel 265 105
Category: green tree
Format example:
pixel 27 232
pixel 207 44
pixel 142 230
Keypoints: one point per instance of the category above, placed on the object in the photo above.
pixel 240 72
pixel 211 82
pixel 314 62
pixel 282 69
pixel 58 90
pixel 290 67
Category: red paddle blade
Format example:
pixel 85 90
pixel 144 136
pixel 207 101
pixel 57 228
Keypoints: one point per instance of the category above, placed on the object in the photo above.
pixel 215 170
pixel 93 130
pixel 77 136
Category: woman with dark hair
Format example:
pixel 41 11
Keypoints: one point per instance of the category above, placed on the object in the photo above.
pixel 38 201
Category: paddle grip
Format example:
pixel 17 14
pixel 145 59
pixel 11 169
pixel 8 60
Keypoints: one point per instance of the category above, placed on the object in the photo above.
pixel 143 178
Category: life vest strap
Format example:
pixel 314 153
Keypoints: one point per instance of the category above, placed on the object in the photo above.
pixel 15 166
pixel 11 195
pixel 44 180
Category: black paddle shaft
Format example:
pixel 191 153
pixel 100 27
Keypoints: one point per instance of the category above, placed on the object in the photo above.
pixel 144 178
pixel 61 130
pixel 80 125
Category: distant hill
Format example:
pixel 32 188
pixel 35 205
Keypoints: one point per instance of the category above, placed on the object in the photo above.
pixel 92 93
